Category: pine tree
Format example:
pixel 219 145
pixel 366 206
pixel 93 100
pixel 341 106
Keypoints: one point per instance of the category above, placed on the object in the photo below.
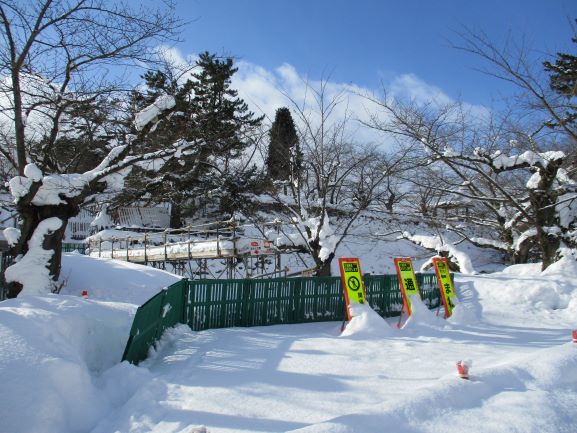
pixel 563 80
pixel 207 112
pixel 284 156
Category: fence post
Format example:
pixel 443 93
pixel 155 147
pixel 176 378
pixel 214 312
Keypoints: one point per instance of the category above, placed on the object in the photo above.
pixel 297 300
pixel 246 288
pixel 218 240
pixel 185 300
pixel 165 240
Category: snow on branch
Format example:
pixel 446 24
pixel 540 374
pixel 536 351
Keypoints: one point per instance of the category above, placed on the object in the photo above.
pixel 501 162
pixel 153 111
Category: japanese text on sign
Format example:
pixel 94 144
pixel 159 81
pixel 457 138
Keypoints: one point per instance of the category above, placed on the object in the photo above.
pixel 407 280
pixel 445 285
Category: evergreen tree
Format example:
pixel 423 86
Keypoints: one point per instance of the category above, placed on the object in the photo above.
pixel 284 156
pixel 207 112
pixel 563 80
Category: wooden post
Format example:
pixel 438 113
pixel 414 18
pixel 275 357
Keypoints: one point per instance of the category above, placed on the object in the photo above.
pixel 165 240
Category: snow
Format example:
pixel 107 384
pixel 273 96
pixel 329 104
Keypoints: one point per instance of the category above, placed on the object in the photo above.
pixel 460 257
pixel 151 112
pixel 532 159
pixel 31 270
pixel 12 235
pixel 32 172
pixel 533 182
pixel 567 209
pixel 112 280
pixel 103 220
pixel 60 364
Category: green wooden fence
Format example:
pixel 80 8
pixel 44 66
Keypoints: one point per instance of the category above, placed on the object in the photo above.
pixel 209 304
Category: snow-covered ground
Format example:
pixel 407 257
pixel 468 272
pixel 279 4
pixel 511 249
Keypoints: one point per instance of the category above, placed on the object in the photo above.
pixel 60 367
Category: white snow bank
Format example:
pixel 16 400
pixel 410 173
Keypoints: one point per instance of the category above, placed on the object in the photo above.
pixel 52 351
pixel 59 369
pixel 422 320
pixel 112 280
pixel 366 323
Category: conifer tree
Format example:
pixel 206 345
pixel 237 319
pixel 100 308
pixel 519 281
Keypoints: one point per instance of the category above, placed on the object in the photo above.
pixel 284 156
pixel 209 113
pixel 563 80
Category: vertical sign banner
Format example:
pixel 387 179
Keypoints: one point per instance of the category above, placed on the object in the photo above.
pixel 407 280
pixel 445 285
pixel 352 282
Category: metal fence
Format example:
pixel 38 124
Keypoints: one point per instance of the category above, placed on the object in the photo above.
pixel 209 304
pixel 162 311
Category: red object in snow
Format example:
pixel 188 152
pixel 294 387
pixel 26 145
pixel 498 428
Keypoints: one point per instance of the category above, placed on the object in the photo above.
pixel 574 334
pixel 462 370
pixel 85 293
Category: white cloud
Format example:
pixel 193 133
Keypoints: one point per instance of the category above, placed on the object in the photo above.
pixel 267 90
pixel 409 86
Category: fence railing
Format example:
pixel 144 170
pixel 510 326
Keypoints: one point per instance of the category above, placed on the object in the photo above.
pixel 209 304
pixel 70 247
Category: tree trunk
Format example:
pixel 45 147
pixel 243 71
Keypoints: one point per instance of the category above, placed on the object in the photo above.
pixel 324 268
pixel 175 216
pixel 542 199
pixel 32 216
pixel 521 254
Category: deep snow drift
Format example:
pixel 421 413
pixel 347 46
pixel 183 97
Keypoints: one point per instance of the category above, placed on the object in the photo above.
pixel 60 370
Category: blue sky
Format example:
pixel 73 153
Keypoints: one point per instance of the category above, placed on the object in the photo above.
pixel 364 42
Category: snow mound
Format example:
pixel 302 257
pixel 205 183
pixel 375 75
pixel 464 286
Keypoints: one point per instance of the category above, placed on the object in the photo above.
pixel 366 323
pixel 112 280
pixel 423 320
pixel 51 347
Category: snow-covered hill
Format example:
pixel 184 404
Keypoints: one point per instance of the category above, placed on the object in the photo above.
pixel 60 370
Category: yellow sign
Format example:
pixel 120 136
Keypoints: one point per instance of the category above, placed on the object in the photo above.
pixel 445 285
pixel 408 282
pixel 352 282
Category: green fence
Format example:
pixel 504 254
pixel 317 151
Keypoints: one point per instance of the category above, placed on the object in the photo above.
pixel 69 247
pixel 209 304
pixel 162 311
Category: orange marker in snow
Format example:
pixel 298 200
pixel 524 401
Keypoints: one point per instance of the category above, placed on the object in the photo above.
pixel 463 369
pixel 574 335
pixel 85 294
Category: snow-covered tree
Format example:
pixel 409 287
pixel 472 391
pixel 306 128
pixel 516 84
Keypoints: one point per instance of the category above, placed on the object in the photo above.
pixel 56 57
pixel 338 180
pixel 523 196
pixel 209 113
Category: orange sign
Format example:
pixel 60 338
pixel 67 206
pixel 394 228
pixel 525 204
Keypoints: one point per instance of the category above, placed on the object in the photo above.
pixel 352 282
pixel 407 281
pixel 445 285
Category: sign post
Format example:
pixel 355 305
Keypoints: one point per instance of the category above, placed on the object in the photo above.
pixel 407 281
pixel 445 285
pixel 353 285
